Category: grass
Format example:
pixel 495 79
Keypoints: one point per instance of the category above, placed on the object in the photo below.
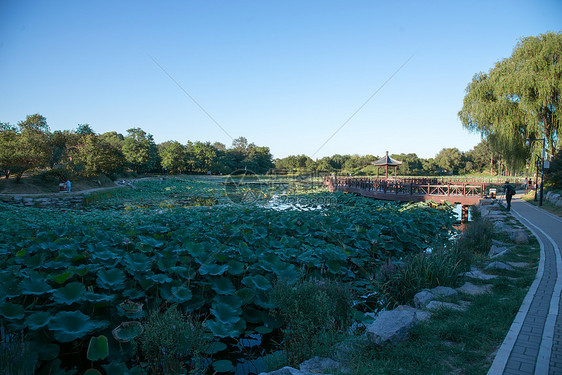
pixel 546 205
pixel 459 342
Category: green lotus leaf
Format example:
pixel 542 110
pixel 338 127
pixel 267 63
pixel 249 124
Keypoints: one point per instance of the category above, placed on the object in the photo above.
pixel 71 325
pixel 81 270
pixel 226 330
pixel 181 293
pixel 247 295
pixel 137 263
pixel 98 348
pixel 111 279
pixel 252 315
pixel 334 266
pixel 61 278
pixel 127 331
pixel 70 293
pixel 38 319
pixel 161 278
pixel 257 281
pixel 223 365
pixel 215 347
pixel 230 300
pixel 12 311
pixel 235 267
pixel 92 371
pixel 225 313
pixel 149 243
pixel 97 298
pixel 145 282
pixel 35 287
pixel 222 285
pixel 104 255
pixel 115 368
pixel 165 264
pixel 213 269
pixel 197 301
pixel 263 330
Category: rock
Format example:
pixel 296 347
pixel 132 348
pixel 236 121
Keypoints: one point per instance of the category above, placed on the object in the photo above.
pixel 499 266
pixel 436 305
pixel 519 236
pixel 473 290
pixel 421 299
pixel 420 314
pixel 498 243
pixel 393 326
pixel 286 371
pixel 319 365
pixel 558 203
pixel 519 264
pixel 443 291
pixel 499 226
pixel 475 273
pixel 496 250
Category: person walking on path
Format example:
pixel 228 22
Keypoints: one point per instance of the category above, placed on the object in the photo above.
pixel 509 193
pixel 67 184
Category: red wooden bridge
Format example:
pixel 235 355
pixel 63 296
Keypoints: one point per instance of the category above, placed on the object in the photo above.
pixel 455 190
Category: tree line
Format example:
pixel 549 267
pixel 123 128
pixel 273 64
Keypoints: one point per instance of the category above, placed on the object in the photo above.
pixel 30 145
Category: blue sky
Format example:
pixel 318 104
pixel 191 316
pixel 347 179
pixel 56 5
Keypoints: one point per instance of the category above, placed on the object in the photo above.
pixel 284 74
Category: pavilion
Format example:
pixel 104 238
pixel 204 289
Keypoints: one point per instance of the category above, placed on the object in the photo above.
pixel 386 162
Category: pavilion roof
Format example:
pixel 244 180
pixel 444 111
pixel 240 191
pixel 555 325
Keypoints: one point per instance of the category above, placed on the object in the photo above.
pixel 387 160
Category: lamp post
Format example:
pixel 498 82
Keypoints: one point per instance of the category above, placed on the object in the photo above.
pixel 528 143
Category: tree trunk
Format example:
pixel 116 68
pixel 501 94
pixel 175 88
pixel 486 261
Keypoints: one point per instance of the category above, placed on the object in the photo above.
pixel 7 173
pixel 18 176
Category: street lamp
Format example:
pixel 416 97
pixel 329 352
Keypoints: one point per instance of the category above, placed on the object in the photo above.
pixel 528 143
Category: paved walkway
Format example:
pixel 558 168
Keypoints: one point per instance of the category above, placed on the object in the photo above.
pixel 533 344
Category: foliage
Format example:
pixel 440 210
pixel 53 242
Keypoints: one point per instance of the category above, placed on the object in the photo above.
pixel 67 278
pixel 477 237
pixel 171 339
pixel 312 313
pixel 16 358
pixel 518 98
pixel 449 159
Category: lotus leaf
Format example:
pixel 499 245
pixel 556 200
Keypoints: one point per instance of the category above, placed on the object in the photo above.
pixel 252 315
pixel 213 269
pixel 97 298
pixel 215 347
pixel 181 293
pixel 235 267
pixel 71 325
pixel 225 313
pixel 133 293
pixel 226 330
pixel 11 311
pixel 38 319
pixel 197 301
pixel 231 300
pixel 223 365
pixel 45 351
pixel 149 243
pixel 246 295
pixel 115 368
pixel 257 281
pixel 137 263
pixel 263 330
pixel 62 277
pixel 35 287
pixel 222 285
pixel 92 371
pixel 98 348
pixel 161 278
pixel 127 331
pixel 70 293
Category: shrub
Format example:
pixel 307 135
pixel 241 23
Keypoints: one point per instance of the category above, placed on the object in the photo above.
pixel 170 340
pixel 312 312
pixel 477 237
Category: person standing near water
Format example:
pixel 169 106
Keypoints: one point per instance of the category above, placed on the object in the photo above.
pixel 67 184
pixel 509 193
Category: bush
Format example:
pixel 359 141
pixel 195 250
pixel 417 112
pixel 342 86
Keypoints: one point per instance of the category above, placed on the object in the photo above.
pixel 477 237
pixel 313 312
pixel 170 340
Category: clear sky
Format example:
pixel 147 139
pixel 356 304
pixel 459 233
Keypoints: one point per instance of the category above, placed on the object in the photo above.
pixel 284 74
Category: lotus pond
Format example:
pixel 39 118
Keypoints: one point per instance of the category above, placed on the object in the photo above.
pixel 77 287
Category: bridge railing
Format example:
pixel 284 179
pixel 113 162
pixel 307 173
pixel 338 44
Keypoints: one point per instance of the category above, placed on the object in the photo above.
pixel 407 186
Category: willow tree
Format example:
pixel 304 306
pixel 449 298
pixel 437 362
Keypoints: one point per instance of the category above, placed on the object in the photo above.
pixel 518 98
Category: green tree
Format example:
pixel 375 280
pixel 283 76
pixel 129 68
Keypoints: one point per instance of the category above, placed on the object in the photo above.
pixel 139 150
pixel 519 98
pixel 8 147
pixel 173 156
pixel 449 159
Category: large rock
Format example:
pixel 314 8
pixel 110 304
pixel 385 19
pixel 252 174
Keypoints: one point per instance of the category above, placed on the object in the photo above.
pixel 421 299
pixel 286 371
pixel 499 266
pixel 443 291
pixel 319 365
pixel 475 273
pixel 391 327
pixel 496 251
pixel 519 236
pixel 473 290
pixel 436 305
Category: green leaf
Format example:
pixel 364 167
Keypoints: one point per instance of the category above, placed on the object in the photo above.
pixel 127 331
pixel 71 325
pixel 181 294
pixel 257 281
pixel 247 295
pixel 12 311
pixel 223 365
pixel 35 287
pixel 226 314
pixel 98 348
pixel 222 285
pixel 213 269
pixel 115 368
pixel 62 277
pixel 38 320
pixel 215 347
pixel 112 279
pixel 92 371
pixel 226 330
pixel 263 330
pixel 70 293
